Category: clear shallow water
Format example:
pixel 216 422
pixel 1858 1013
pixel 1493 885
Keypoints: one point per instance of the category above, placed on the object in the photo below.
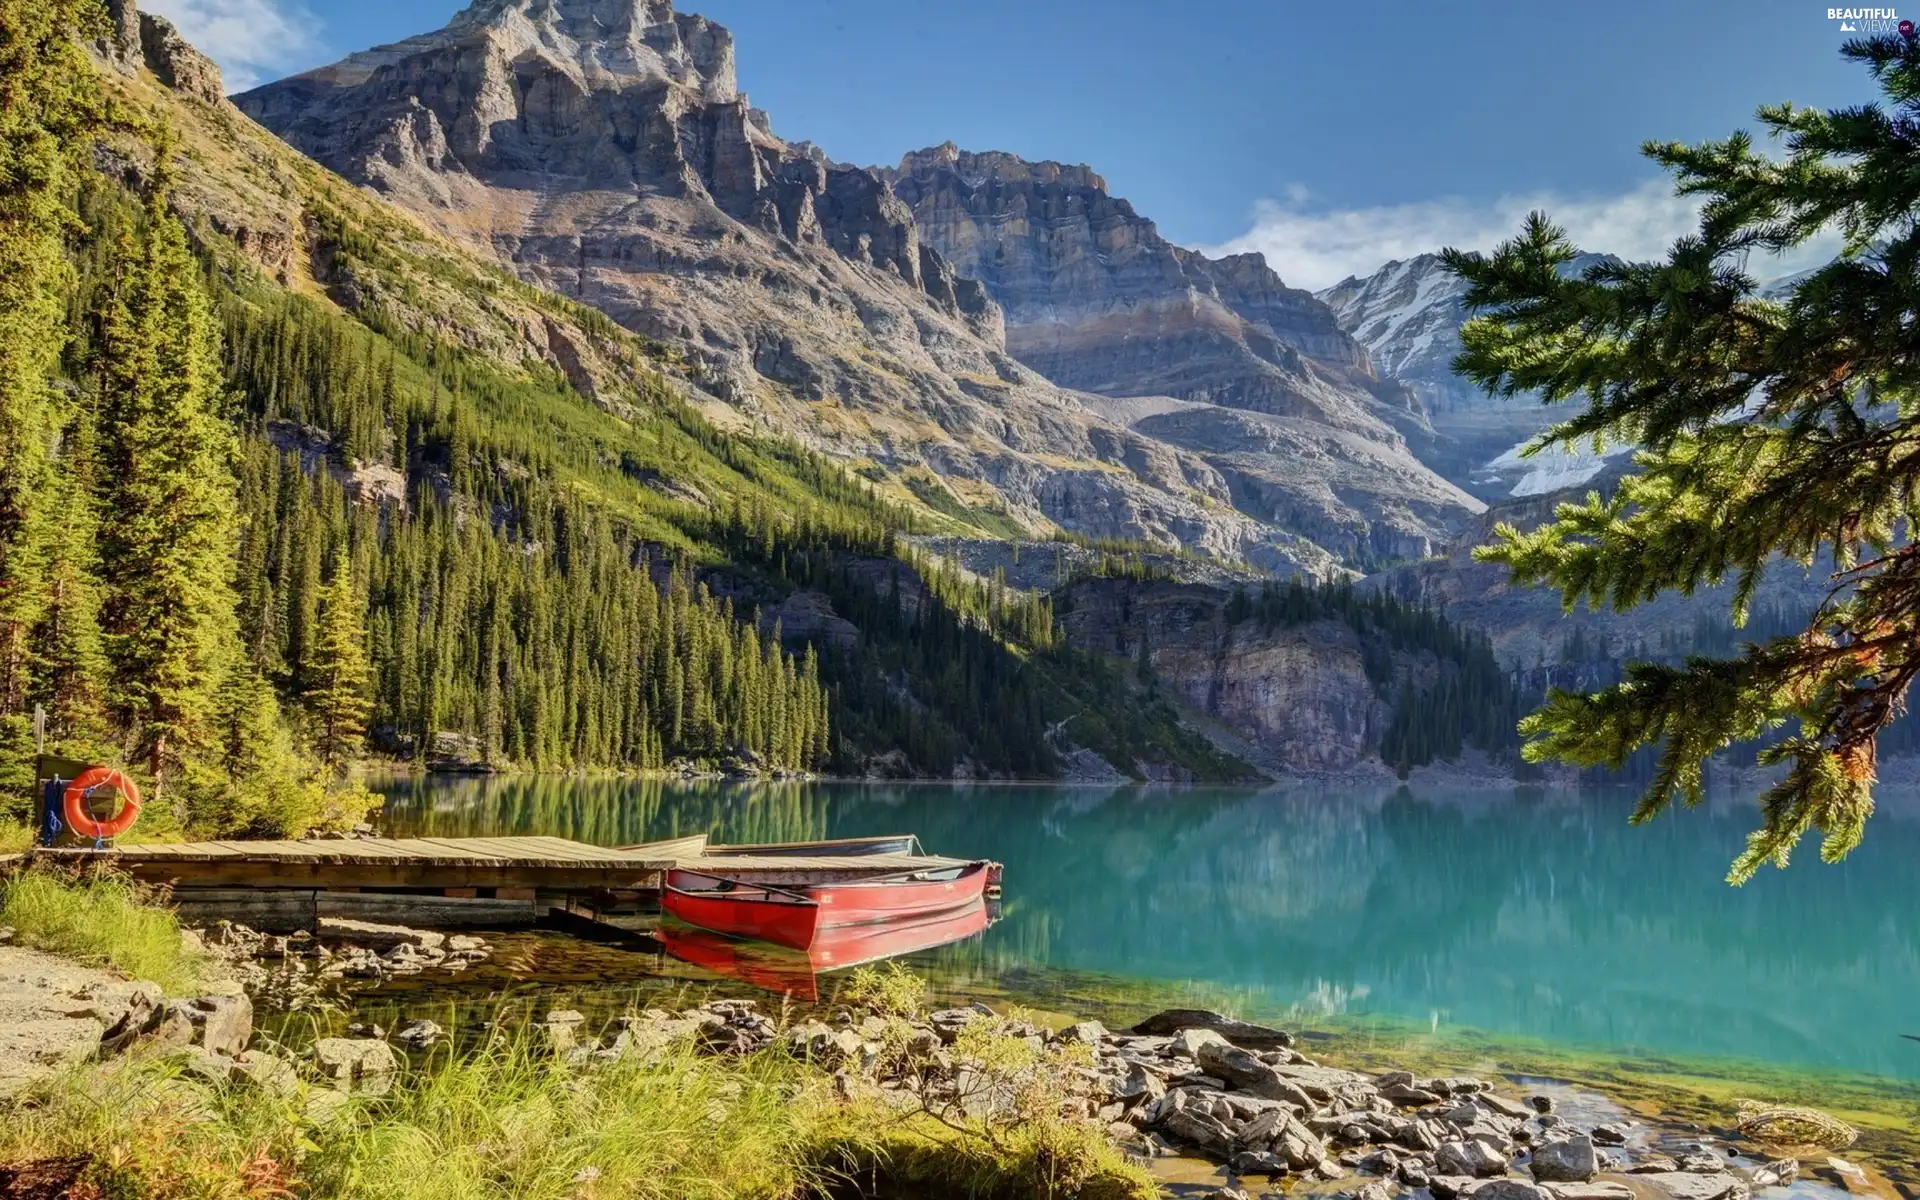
pixel 1537 915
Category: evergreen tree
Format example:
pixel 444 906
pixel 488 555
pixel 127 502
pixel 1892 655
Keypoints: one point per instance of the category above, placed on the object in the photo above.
pixel 339 673
pixel 1765 429
pixel 169 536
pixel 70 672
pixel 49 106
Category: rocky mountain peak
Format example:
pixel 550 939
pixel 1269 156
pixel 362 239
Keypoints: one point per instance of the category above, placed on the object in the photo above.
pixel 1218 357
pixel 1408 315
pixel 1058 250
pixel 997 166
pixel 612 41
pixel 602 149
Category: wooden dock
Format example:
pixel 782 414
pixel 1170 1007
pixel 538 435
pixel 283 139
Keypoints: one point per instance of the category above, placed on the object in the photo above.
pixel 514 863
pixel 292 884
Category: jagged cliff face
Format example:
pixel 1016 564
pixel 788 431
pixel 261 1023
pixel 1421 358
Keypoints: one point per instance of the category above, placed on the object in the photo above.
pixel 604 150
pixel 1298 696
pixel 1096 299
pixel 1216 356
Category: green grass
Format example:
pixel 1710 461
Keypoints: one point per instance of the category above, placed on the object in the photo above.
pixel 102 920
pixel 15 837
pixel 505 1121
pixel 992 521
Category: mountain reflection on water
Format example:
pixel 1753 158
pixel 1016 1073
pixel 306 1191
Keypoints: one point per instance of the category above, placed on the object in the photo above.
pixel 1529 914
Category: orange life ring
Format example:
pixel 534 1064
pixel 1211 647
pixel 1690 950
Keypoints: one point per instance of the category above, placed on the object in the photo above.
pixel 74 805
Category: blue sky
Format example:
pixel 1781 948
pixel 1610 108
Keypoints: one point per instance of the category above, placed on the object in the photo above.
pixel 1330 135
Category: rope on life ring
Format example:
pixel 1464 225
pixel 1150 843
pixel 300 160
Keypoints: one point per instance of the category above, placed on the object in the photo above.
pixel 81 821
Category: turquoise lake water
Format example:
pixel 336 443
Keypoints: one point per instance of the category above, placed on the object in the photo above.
pixel 1530 914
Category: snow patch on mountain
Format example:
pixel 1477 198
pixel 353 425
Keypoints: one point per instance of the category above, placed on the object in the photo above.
pixel 1552 469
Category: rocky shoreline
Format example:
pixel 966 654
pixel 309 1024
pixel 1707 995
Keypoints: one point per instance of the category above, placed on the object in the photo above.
pixel 303 970
pixel 1183 1083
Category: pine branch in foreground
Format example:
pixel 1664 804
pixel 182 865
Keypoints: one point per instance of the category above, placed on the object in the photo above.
pixel 1766 430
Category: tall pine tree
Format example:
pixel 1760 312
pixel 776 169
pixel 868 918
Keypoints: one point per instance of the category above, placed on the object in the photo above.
pixel 70 673
pixel 169 536
pixel 338 673
pixel 1767 429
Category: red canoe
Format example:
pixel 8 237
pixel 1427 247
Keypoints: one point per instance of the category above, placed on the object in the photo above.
pixel 797 917
pixel 780 969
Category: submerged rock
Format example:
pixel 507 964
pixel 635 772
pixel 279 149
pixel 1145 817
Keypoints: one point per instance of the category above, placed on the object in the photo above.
pixel 1506 1189
pixel 418 1034
pixel 1693 1185
pixel 1778 1173
pixel 1601 1190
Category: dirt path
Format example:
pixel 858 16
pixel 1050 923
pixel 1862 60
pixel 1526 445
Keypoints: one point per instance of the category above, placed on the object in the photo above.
pixel 53 1011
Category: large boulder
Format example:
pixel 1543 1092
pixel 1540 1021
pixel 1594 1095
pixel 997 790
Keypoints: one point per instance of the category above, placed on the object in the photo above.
pixel 1086 1033
pixel 357 1066
pixel 1138 1084
pixel 1282 1134
pixel 1325 1084
pixel 1564 1160
pixel 268 1072
pixel 1243 1069
pixel 1240 1033
pixel 1197 1129
pixel 221 1024
pixel 129 1015
pixel 1472 1156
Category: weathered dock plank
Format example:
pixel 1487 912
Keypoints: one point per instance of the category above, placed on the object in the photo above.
pixel 520 864
pixel 285 910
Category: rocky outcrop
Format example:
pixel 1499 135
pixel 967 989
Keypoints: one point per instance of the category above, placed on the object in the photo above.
pixel 1095 298
pixel 176 63
pixel 55 1013
pixel 1300 693
pixel 135 39
pixel 1081 275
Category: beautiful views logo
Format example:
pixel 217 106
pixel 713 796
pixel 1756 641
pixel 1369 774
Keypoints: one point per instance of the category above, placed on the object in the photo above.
pixel 1871 22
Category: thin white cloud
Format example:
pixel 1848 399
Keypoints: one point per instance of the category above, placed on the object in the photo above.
pixel 252 40
pixel 1316 247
